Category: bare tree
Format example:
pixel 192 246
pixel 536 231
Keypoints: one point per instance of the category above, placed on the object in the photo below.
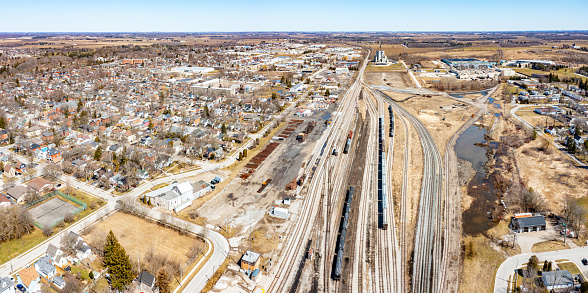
pixel 52 171
pixel 574 213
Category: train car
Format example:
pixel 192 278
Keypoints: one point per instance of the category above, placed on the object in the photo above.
pixel 348 142
pixel 338 265
pixel 340 245
pixel 384 196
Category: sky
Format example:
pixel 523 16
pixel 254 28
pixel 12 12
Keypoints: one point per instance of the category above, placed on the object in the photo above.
pixel 297 15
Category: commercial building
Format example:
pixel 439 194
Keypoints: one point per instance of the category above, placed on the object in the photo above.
pixel 527 222
pixel 214 87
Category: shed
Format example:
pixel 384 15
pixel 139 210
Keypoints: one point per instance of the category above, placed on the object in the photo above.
pixel 250 260
pixel 281 213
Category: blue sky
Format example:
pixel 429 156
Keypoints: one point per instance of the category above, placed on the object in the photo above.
pixel 297 15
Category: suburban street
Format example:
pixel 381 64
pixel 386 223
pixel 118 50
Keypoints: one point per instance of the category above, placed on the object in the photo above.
pixel 507 268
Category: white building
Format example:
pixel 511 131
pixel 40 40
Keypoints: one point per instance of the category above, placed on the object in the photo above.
pixel 172 197
pixel 190 70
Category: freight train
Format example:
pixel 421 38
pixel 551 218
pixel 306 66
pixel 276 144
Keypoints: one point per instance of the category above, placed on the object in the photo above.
pixel 348 142
pixel 382 189
pixel 341 241
pixel 391 132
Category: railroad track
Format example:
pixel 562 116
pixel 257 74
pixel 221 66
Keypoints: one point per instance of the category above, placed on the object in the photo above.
pixel 301 230
pixel 428 239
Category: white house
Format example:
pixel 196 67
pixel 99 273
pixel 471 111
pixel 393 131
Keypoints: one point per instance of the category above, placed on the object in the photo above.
pixel 172 196
pixel 45 268
pixel 7 285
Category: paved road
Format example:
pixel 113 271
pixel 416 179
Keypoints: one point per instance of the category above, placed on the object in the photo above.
pixel 508 267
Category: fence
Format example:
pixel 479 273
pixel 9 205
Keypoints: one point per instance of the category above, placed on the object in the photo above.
pixel 82 206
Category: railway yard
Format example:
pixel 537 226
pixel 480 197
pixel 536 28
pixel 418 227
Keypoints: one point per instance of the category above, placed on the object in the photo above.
pixel 374 200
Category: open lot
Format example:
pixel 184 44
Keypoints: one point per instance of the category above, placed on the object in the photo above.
pixel 50 212
pixel 138 236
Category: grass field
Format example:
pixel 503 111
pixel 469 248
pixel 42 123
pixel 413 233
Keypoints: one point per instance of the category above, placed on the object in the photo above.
pixel 569 266
pixel 549 246
pixel 14 248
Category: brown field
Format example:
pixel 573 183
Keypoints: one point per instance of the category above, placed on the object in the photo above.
pixel 138 236
pixel 552 175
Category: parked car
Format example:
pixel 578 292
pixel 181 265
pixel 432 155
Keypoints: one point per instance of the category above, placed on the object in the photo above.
pixel 566 231
pixel 585 262
pixel 21 288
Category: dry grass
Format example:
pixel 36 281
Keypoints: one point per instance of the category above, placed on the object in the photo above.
pixel 569 266
pixel 221 270
pixel 552 175
pixel 139 236
pixel 482 259
pixel 549 246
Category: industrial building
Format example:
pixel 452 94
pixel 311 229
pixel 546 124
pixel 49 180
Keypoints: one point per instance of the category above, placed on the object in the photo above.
pixel 468 63
pixel 192 70
pixel 380 57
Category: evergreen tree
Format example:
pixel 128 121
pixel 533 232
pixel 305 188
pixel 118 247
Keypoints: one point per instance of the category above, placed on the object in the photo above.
pixel 545 266
pixel 274 96
pixel 80 105
pixel 118 263
pixel 241 155
pixel 2 122
pixel 327 93
pixel 224 128
pixel 109 248
pixel 245 153
pixel 162 282
pixel 98 154
pixel 120 271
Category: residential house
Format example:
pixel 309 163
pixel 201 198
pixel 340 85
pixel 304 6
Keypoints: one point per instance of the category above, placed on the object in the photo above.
pixel 83 251
pixel 29 277
pixel 17 193
pixel 57 255
pixel 557 280
pixel 54 155
pixel 7 285
pixel 41 185
pixel 19 168
pixel 34 131
pixel 4 201
pixel 3 135
pixel 146 282
pixel 172 197
pixel 45 267
pixel 47 136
